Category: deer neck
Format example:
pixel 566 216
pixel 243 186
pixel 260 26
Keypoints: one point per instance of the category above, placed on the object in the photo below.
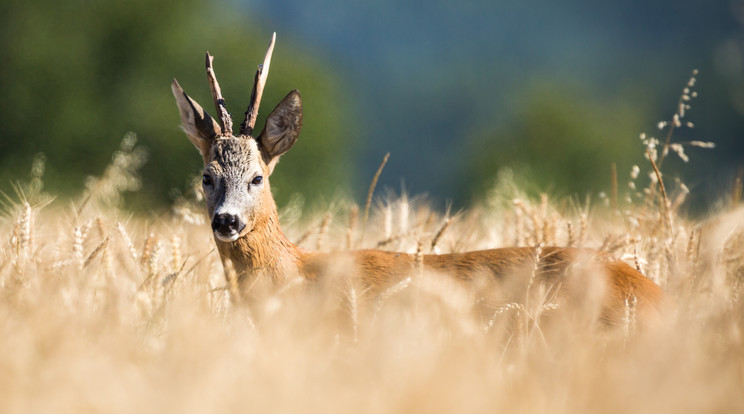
pixel 264 250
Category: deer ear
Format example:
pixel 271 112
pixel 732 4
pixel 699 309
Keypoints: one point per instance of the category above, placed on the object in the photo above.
pixel 196 122
pixel 282 129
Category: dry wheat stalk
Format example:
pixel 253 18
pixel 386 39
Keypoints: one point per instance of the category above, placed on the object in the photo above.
pixel 80 234
pixel 570 234
pixel 370 192
pixel 147 249
pixel 353 218
pixel 439 234
pixel 100 227
pixel 26 229
pixel 537 258
pixel 354 311
pixel 387 221
pixel 128 241
pixel 389 292
pixel 583 224
pixel 322 230
pixel 153 258
pixel 630 316
pixel 176 259
pixel 500 311
pixel 419 258
pixel 98 250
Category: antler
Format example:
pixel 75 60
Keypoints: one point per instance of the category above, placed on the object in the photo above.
pixel 246 128
pixel 219 102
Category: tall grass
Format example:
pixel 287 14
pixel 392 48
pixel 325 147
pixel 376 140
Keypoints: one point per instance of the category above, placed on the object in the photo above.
pixel 104 312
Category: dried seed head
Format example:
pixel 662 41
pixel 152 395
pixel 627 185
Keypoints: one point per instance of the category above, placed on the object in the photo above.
pixel 651 154
pixel 387 213
pixel 176 253
pixel 100 227
pixel 147 249
pixel 391 291
pixel 680 151
pixel 500 311
pixel 403 213
pixel 703 144
pixel 80 233
pixel 322 230
pixel 153 257
pixel 25 227
pixel 652 177
pixel 634 171
pixel 37 172
pixel 353 218
pixel 630 317
pixel 441 231
pixel 98 250
pixel 419 258
pixel 570 233
pixel 353 310
pixel 128 241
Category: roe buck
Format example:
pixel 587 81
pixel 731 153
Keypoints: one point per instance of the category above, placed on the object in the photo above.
pixel 246 227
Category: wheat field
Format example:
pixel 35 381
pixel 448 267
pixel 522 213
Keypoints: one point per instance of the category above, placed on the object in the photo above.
pixel 105 311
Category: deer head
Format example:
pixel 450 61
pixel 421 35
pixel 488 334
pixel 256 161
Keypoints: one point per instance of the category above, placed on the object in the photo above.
pixel 237 167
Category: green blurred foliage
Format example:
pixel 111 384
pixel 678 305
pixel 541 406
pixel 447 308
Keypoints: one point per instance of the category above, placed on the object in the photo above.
pixel 560 140
pixel 78 75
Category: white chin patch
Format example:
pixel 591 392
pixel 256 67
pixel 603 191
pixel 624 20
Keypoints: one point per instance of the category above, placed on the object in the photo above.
pixel 226 237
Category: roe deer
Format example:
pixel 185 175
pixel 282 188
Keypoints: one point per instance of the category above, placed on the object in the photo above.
pixel 247 232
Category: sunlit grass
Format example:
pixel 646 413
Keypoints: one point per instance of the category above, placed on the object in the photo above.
pixel 102 311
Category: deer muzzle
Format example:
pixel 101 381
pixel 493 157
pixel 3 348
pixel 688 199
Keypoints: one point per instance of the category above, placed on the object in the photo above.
pixel 227 227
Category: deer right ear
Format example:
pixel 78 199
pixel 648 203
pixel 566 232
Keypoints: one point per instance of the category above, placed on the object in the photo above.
pixel 282 128
pixel 196 122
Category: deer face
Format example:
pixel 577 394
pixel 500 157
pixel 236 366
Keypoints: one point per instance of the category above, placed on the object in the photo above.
pixel 236 169
pixel 235 183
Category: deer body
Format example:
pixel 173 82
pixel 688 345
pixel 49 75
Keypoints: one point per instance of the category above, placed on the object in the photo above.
pixel 247 231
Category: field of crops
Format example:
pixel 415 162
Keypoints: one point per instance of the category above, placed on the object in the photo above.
pixel 105 311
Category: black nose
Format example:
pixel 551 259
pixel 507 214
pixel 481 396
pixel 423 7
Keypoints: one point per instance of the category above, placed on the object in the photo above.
pixel 226 223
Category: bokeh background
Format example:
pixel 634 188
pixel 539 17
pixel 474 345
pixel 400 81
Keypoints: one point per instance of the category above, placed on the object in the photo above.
pixel 455 90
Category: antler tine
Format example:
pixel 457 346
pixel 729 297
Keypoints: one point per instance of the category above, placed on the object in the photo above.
pixel 219 102
pixel 246 128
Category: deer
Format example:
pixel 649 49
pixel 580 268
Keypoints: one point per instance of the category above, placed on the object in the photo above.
pixel 247 233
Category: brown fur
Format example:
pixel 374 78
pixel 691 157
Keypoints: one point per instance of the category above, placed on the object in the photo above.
pixel 379 270
pixel 247 229
pixel 266 251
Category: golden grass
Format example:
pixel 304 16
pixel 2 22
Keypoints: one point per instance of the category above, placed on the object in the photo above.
pixel 101 312
pixel 104 314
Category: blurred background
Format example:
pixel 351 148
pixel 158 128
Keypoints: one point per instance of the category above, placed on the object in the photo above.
pixel 456 91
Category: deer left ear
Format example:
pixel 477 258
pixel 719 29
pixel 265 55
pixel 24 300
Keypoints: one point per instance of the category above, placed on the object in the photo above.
pixel 200 128
pixel 282 129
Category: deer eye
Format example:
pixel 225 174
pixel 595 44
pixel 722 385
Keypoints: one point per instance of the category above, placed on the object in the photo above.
pixel 257 180
pixel 206 179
